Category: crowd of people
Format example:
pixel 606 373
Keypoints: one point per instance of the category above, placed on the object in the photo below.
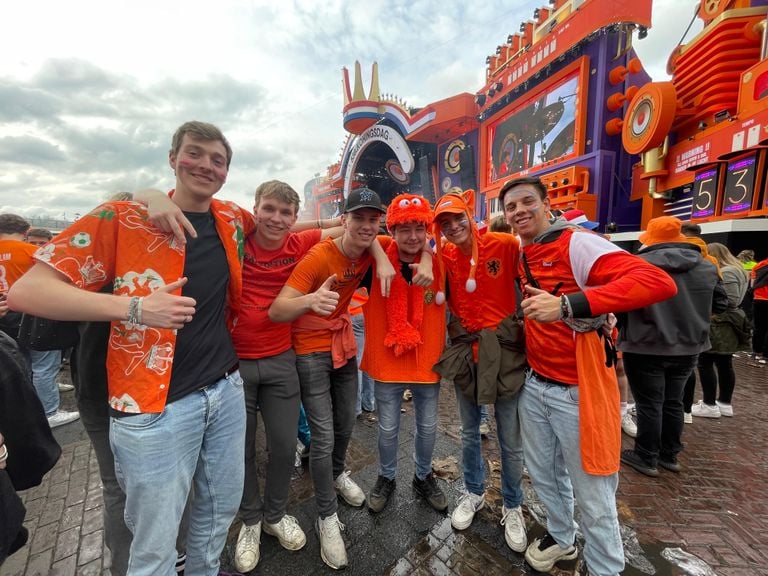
pixel 193 316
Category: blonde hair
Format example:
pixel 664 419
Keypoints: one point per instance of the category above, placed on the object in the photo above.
pixel 723 255
pixel 279 191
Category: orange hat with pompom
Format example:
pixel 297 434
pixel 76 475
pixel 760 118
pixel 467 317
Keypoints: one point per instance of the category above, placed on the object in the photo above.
pixel 456 204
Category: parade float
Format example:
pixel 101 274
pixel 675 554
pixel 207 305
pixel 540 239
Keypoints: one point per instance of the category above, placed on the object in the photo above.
pixel 567 99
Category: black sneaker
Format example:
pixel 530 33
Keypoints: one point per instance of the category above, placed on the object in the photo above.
pixel 670 464
pixel 380 494
pixel 430 491
pixel 545 552
pixel 633 459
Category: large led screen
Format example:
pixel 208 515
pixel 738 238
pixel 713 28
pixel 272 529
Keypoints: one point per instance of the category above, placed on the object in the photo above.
pixel 543 128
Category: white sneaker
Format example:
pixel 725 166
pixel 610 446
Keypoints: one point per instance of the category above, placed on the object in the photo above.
pixel 247 548
pixel 349 490
pixel 725 409
pixel 65 387
pixel 288 532
pixel 632 409
pixel 628 425
pixel 514 528
pixel 705 410
pixel 687 418
pixel 61 417
pixel 466 507
pixel 332 548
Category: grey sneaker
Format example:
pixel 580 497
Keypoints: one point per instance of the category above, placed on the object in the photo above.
pixel 628 425
pixel 466 507
pixel 61 417
pixel 514 528
pixel 430 491
pixel 349 490
pixel 333 551
pixel 545 552
pixel 288 533
pixel 247 548
pixel 379 496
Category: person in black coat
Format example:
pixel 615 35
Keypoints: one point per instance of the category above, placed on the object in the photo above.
pixel 28 449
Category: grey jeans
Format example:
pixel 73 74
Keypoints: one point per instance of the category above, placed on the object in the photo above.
pixel 271 386
pixel 116 534
pixel 329 396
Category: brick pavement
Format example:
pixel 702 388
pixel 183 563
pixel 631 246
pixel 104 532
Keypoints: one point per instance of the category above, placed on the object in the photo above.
pixel 717 509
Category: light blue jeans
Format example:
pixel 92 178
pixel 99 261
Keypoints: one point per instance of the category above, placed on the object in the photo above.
pixel 199 438
pixel 45 369
pixel 549 415
pixel 508 431
pixel 389 397
pixel 365 395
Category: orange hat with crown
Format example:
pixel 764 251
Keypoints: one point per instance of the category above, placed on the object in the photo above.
pixel 456 204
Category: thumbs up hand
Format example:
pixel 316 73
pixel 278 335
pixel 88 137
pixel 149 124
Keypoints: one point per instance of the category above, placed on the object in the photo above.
pixel 325 299
pixel 164 309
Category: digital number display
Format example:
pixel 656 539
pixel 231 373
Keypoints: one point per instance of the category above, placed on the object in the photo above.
pixel 705 192
pixel 739 184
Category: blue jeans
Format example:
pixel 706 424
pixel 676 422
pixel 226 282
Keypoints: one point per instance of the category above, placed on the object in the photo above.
pixel 328 395
pixel 549 416
pixel 508 430
pixel 45 369
pixel 304 435
pixel 389 397
pixel 365 396
pixel 199 438
pixel 657 384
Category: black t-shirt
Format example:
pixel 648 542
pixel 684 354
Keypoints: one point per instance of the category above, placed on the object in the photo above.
pixel 405 270
pixel 204 350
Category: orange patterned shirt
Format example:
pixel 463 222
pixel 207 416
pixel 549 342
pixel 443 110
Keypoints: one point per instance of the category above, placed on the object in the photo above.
pixel 117 243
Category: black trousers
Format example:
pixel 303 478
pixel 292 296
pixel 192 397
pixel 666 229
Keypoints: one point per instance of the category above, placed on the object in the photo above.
pixel 657 384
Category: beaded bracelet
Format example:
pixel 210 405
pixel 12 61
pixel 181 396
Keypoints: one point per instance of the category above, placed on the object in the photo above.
pixel 565 307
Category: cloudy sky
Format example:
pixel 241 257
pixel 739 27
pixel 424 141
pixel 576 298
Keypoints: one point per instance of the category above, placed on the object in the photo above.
pixel 91 91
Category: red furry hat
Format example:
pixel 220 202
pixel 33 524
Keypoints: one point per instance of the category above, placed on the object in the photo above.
pixel 405 305
pixel 408 208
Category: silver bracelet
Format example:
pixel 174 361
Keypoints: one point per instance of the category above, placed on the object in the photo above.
pixel 3 453
pixel 134 310
pixel 139 310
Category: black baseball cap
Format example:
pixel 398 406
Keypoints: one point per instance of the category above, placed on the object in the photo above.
pixel 361 198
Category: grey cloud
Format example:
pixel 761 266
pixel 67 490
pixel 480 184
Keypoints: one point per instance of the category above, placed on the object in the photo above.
pixel 28 150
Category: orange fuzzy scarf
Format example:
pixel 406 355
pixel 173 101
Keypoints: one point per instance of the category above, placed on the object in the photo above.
pixel 405 310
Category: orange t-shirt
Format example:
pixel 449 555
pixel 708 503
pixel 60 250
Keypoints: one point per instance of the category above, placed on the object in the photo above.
pixel 323 260
pixel 15 259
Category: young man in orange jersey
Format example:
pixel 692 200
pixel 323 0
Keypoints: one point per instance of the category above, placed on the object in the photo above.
pixel 316 298
pixel 404 337
pixel 485 359
pixel 569 406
